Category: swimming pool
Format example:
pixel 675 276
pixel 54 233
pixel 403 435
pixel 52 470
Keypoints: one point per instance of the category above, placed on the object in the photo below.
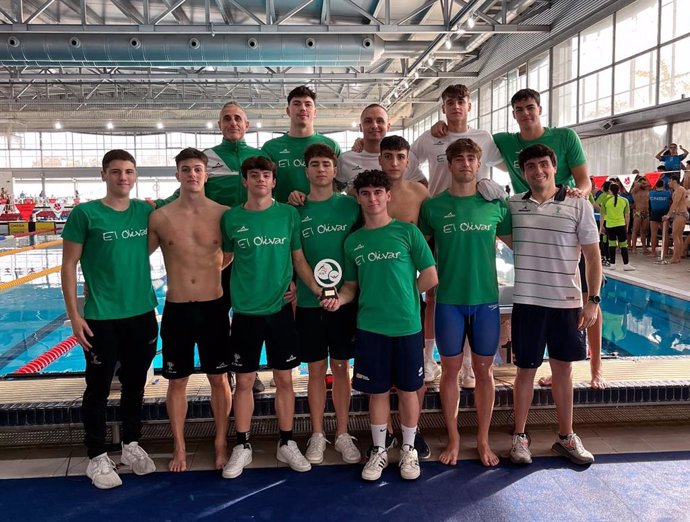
pixel 637 321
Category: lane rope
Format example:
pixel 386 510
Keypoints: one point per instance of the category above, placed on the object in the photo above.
pixel 47 244
pixel 29 277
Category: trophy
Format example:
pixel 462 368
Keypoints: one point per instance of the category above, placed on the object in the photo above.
pixel 328 274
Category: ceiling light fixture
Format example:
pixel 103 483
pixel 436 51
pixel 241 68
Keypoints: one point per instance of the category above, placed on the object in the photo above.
pixel 159 126
pixel 109 125
pixel 58 125
pixel 470 22
pixel 448 44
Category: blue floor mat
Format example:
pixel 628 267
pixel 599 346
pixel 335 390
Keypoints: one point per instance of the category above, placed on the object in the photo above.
pixel 653 486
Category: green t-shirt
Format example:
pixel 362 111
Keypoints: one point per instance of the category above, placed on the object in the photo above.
pixel 324 226
pixel 262 242
pixel 614 214
pixel 224 183
pixel 464 230
pixel 288 155
pixel 564 142
pixel 114 259
pixel 384 262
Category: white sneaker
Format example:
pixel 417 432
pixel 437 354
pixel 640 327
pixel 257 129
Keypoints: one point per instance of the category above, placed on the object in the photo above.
pixel 378 461
pixel 432 370
pixel 241 458
pixel 520 453
pixel 101 471
pixel 467 377
pixel 612 267
pixel 291 455
pixel 409 463
pixel 316 446
pixel 134 455
pixel 629 268
pixel 345 445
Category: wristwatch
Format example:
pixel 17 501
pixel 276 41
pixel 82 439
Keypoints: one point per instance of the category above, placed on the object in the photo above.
pixel 594 299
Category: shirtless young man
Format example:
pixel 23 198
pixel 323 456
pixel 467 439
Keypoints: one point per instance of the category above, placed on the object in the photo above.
pixel 640 194
pixel 188 232
pixel 678 216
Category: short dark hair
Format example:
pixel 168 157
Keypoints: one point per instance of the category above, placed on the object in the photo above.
pixel 661 168
pixel 674 177
pixel 190 153
pixel 371 178
pixel 259 163
pixel 536 151
pixel 659 183
pixel 319 150
pixel 301 92
pixel 461 146
pixel 394 142
pixel 606 186
pixel 117 154
pixel 371 106
pixel 455 91
pixel 525 94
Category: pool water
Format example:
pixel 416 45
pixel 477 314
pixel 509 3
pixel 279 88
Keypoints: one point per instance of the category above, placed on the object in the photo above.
pixel 637 322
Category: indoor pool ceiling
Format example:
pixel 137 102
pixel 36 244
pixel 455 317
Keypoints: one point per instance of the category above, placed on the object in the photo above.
pixel 139 62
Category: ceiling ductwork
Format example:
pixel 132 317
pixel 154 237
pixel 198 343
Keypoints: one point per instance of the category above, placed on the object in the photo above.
pixel 161 50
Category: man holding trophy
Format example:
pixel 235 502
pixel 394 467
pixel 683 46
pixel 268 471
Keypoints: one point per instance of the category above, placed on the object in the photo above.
pixel 326 219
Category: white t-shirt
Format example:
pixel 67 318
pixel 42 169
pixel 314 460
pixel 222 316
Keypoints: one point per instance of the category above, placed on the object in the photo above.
pixel 433 150
pixel 351 163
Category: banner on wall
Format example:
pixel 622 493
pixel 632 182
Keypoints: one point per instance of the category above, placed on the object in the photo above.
pixel 652 177
pixel 18 227
pixel 599 181
pixel 56 207
pixel 45 226
pixel 25 209
pixel 627 180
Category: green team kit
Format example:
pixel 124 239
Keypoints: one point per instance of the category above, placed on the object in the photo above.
pixel 262 243
pixel 121 239
pixel 384 262
pixel 287 153
pixel 224 183
pixel 324 227
pixel 462 225
pixel 565 143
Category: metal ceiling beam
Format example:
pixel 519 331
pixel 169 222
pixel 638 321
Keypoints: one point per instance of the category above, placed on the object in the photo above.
pixel 38 11
pixel 200 29
pixel 215 76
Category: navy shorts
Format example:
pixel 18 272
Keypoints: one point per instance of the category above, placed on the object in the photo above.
pixel 322 333
pixel 657 215
pixel 536 327
pixel 205 324
pixel 481 324
pixel 382 362
pixel 248 333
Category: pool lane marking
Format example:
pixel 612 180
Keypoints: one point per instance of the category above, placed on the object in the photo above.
pixel 34 247
pixel 27 278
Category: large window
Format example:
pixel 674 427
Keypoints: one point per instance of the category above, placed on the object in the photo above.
pixel 596 46
pixel 636 28
pixel 635 83
pixel 674 81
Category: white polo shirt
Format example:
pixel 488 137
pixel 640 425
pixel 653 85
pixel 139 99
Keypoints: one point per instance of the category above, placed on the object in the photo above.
pixel 546 245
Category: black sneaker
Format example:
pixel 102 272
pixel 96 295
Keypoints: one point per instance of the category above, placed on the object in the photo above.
pixel 391 442
pixel 423 449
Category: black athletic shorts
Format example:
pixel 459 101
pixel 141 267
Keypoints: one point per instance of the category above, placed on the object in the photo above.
pixel 249 332
pixel 536 327
pixel 205 324
pixel 322 333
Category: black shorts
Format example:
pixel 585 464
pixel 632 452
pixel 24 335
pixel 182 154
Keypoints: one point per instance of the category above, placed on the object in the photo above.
pixel 278 330
pixel 536 327
pixel 322 333
pixel 656 215
pixel 382 362
pixel 205 324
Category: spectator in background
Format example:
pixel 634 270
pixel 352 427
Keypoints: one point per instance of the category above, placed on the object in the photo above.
pixel 677 217
pixel 616 213
pixel 670 157
pixel 602 197
pixel 640 194
pixel 659 203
